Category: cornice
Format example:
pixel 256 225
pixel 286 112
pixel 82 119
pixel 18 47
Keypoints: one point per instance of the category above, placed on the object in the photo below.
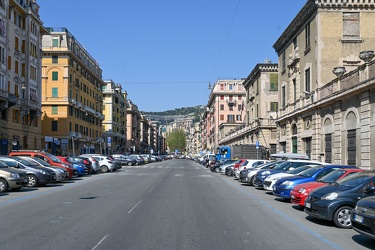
pixel 258 69
pixel 308 11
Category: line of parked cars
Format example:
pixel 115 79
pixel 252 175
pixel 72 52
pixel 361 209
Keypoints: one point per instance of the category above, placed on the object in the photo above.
pixel 33 168
pixel 342 194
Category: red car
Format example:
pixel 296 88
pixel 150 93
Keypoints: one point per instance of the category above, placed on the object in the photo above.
pixel 301 191
pixel 237 165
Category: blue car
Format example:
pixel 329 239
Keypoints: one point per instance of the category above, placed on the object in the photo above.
pixel 284 186
pixel 82 170
pixel 282 168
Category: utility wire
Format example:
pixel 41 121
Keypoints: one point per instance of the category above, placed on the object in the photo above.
pixel 225 40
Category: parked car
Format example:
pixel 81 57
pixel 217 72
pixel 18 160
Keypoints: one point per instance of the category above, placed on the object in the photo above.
pixel 49 158
pixel 248 175
pixel 14 179
pixel 138 158
pixel 38 176
pixel 90 162
pixel 301 191
pixel 247 163
pixel 363 216
pixel 61 174
pixel 271 179
pixel 81 168
pixel 282 168
pixel 216 167
pixel 105 163
pixel 283 186
pixel 125 161
pixel 336 201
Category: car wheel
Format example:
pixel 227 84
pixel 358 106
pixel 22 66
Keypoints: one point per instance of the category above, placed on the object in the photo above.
pixel 33 180
pixel 217 170
pixel 341 218
pixel 130 163
pixel 3 186
pixel 104 169
pixel 252 181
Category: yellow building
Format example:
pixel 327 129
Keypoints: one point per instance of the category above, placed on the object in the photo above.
pixel 114 124
pixel 71 96
pixel 20 78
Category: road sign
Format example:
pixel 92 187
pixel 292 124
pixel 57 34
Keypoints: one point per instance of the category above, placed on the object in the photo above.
pixel 257 144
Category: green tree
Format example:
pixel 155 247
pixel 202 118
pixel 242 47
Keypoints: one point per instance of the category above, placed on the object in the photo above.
pixel 176 140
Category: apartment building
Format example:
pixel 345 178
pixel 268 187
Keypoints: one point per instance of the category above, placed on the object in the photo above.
pixel 21 33
pixel 114 123
pixel 133 128
pixel 225 110
pixel 324 112
pixel 72 97
pixel 261 107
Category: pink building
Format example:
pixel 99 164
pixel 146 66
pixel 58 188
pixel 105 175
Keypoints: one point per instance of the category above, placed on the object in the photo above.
pixel 225 110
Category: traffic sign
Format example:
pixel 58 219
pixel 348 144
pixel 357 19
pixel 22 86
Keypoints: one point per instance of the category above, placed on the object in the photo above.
pixel 257 144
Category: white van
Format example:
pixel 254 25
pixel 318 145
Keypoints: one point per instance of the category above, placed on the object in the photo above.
pixel 205 158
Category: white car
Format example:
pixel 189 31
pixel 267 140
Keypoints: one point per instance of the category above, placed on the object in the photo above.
pixel 248 163
pixel 271 180
pixel 106 164
pixel 251 174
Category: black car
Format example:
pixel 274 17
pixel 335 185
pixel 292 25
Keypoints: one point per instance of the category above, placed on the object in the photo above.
pixel 336 201
pixel 215 167
pixel 363 215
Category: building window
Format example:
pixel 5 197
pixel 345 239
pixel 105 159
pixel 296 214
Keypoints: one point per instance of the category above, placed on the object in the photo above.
pixel 294 90
pixel 295 44
pixel 221 106
pixel 328 148
pixel 351 25
pixel 307 80
pixel 55 92
pixel 274 82
pixel 231 118
pixel 283 61
pixel 283 96
pixel 55 110
pixel 55 59
pixel 308 146
pixel 55 76
pixel 54 126
pixel 230 86
pixel 274 106
pixel 307 36
pixel 55 42
pixel 221 117
pixel 352 150
pixel 238 117
pixel 239 107
pixel 221 97
pixel 239 97
pixel 221 86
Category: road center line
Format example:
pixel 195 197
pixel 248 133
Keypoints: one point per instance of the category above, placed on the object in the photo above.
pixel 134 207
pixel 100 242
pixel 151 189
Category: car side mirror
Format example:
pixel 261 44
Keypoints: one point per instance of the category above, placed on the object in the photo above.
pixel 370 189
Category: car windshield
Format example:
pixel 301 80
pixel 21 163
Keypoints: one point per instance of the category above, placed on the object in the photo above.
pixel 283 166
pixel 3 165
pixel 355 179
pixel 310 172
pixel 332 177
pixel 298 170
pixel 53 158
pixel 41 162
pixel 27 162
pixel 10 162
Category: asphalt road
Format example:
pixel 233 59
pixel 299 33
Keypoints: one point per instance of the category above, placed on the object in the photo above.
pixel 176 204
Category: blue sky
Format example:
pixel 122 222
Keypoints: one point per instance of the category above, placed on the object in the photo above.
pixel 164 53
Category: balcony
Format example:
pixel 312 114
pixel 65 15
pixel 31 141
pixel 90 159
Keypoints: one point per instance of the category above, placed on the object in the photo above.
pixel 231 102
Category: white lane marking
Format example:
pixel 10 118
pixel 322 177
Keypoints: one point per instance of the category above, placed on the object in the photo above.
pixel 151 189
pixel 100 242
pixel 134 207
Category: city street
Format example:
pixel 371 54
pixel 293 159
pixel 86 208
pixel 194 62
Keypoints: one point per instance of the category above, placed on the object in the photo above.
pixel 175 204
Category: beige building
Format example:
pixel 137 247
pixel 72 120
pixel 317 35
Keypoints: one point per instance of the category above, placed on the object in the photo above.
pixel 225 110
pixel 72 96
pixel 260 108
pixel 327 118
pixel 133 128
pixel 114 123
pixel 21 33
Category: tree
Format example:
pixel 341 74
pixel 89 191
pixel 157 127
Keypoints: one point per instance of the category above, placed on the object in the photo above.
pixel 176 140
